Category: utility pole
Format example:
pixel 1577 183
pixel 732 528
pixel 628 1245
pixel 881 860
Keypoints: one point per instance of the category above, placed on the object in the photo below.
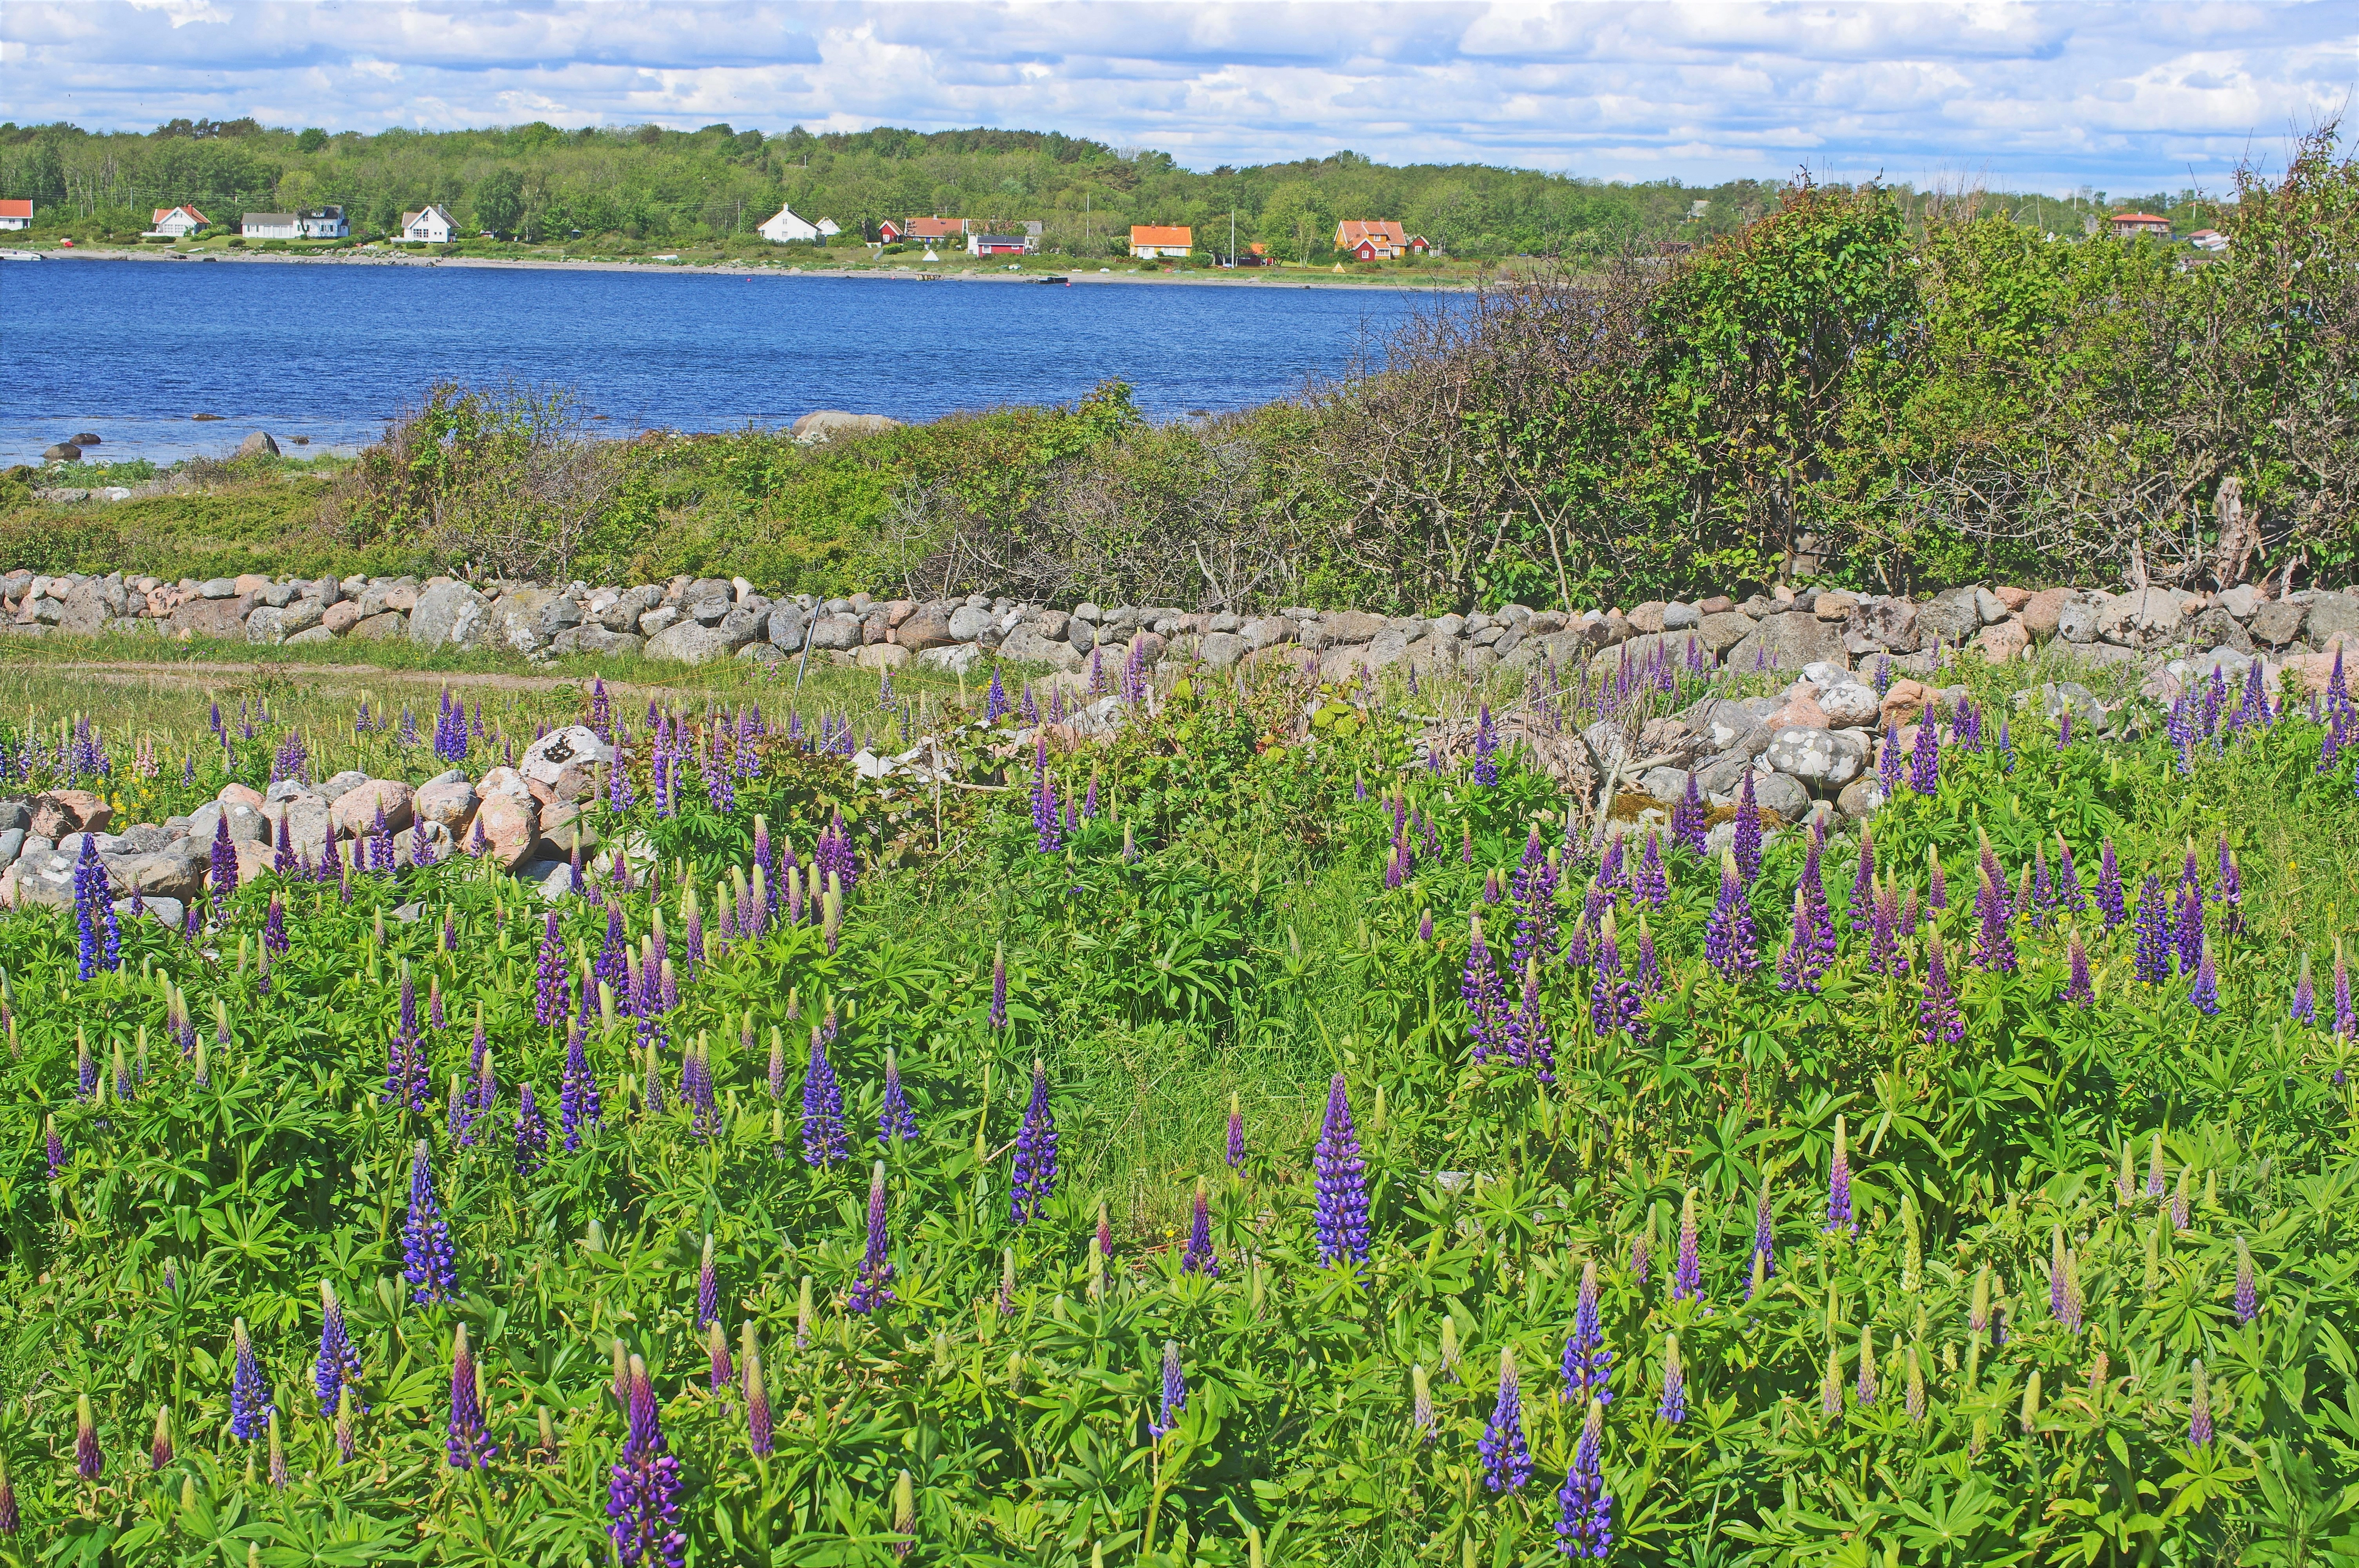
pixel 1232 238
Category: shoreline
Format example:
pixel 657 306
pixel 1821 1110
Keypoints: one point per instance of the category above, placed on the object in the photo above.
pixel 1243 278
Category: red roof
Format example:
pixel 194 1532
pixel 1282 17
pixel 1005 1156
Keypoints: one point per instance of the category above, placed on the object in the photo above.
pixel 935 228
pixel 13 208
pixel 2138 217
pixel 1352 230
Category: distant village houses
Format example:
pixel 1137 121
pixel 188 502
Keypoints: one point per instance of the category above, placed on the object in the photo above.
pixel 322 224
pixel 15 214
pixel 1376 240
pixel 177 223
pixel 269 226
pixel 430 226
pixel 1000 244
pixel 2130 225
pixel 2208 240
pixel 1151 242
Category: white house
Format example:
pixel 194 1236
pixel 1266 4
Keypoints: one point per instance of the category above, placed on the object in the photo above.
pixel 322 224
pixel 269 226
pixel 785 229
pixel 828 227
pixel 16 213
pixel 432 226
pixel 177 223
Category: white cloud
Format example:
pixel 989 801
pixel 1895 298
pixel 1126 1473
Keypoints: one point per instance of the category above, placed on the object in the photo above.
pixel 2038 94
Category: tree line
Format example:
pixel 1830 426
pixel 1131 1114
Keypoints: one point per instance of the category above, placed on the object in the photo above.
pixel 541 183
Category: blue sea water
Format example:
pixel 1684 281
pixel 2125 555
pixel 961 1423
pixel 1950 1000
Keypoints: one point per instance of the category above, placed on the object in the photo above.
pixel 130 350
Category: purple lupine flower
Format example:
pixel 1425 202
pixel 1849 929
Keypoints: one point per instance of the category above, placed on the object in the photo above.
pixel 1838 1214
pixel 1341 1182
pixel 1728 933
pixel 224 861
pixel 2069 896
pixel 89 1463
pixel 642 1490
pixel 250 1401
pixel 2043 890
pixel 1650 884
pixel 273 925
pixel 896 1119
pixel 1175 1394
pixel 2228 890
pixel 531 1134
pixel 1236 1149
pixel 1033 1179
pixel 1688 815
pixel 2153 935
pixel 2188 924
pixel 1747 845
pixel 1485 771
pixel 1795 971
pixel 578 1103
pixel 2199 1412
pixel 1585 1526
pixel 1614 1002
pixel 1861 909
pixel 337 1366
pixel 994 704
pixel 467 1442
pixel 57 1147
pixel 1673 1406
pixel 2204 994
pixel 696 1090
pixel 1641 1259
pixel 1687 1275
pixel 2248 1293
pixel 1887 762
pixel 1506 1460
pixel 1995 943
pixel 548 998
pixel 2109 887
pixel 1940 1020
pixel 1925 758
pixel 430 1266
pixel 1199 1258
pixel 1588 1364
pixel 159 1451
pixel 873 1286
pixel 708 1289
pixel 2080 991
pixel 824 1141
pixel 1485 996
pixel 2305 1003
pixel 90 896
pixel 1648 975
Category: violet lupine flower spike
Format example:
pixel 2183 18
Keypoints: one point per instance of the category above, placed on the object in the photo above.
pixel 2081 990
pixel 1199 1258
pixel 1838 1214
pixel 2305 1003
pixel 2248 1294
pixel 1672 1407
pixel 1764 1242
pixel 1728 933
pixel 642 1490
pixel 1175 1394
pixel 896 1120
pixel 1942 1021
pixel 1235 1152
pixel 89 1463
pixel 1033 1179
pixel 430 1266
pixel 824 1140
pixel 1340 1182
pixel 250 1401
pixel 873 1286
pixel 467 1442
pixel 1746 848
pixel 339 1364
pixel 1687 1276
pixel 1507 1458
pixel 1588 1364
pixel 1584 1525
pixel 2110 898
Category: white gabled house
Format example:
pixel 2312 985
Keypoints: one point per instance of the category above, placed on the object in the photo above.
pixel 785 229
pixel 177 223
pixel 432 226
pixel 829 227
pixel 323 223
pixel 269 226
pixel 17 212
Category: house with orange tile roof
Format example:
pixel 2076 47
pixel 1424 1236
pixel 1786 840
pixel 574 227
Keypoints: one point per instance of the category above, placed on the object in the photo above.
pixel 1376 240
pixel 1151 242
pixel 177 223
pixel 2129 225
pixel 16 213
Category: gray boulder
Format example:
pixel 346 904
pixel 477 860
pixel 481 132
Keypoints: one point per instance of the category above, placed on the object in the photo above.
pixel 1027 644
pixel 2081 619
pixel 2331 615
pixel 1824 759
pixel 787 625
pixel 1952 617
pixel 835 633
pixel 452 616
pixel 1888 625
pixel 689 643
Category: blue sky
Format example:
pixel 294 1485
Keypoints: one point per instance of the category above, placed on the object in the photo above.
pixel 2124 98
